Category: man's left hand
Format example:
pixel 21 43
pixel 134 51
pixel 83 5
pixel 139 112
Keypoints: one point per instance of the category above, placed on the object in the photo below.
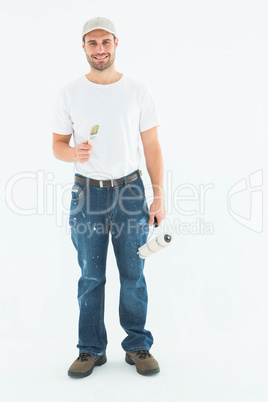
pixel 157 209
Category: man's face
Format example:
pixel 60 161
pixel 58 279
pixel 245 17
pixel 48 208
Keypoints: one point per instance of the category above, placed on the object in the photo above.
pixel 100 49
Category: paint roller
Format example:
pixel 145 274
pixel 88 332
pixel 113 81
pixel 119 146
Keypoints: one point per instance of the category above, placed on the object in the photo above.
pixel 152 246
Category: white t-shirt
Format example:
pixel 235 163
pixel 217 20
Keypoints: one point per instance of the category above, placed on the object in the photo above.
pixel 122 110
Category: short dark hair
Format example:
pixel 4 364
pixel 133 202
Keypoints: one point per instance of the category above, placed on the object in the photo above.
pixel 112 34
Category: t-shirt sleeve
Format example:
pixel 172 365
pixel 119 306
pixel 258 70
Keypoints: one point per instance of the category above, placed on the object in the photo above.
pixel 148 115
pixel 62 122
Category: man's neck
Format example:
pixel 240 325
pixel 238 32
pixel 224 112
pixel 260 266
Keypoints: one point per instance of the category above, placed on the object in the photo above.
pixel 104 77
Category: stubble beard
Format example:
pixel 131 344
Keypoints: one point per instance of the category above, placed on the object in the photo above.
pixel 101 66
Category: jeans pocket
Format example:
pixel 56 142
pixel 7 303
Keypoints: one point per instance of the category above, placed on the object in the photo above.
pixel 137 188
pixel 78 191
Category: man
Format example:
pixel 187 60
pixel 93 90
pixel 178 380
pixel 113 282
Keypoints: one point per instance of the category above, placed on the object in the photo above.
pixel 108 194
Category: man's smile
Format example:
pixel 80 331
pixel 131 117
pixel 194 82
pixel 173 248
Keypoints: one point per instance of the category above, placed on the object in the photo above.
pixel 100 57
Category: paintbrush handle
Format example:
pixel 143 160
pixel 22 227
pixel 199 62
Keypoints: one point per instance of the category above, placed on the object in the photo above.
pixel 91 138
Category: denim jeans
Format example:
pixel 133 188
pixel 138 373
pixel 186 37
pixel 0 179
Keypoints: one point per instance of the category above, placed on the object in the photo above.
pixel 95 214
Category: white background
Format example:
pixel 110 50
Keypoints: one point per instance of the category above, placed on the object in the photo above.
pixel 206 64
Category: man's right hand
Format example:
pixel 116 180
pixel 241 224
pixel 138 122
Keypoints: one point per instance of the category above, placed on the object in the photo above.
pixel 83 151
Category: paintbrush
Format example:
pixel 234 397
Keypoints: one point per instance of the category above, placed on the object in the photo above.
pixel 93 134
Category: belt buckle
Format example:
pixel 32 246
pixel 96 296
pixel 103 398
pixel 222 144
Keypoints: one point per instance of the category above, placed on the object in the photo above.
pixel 101 183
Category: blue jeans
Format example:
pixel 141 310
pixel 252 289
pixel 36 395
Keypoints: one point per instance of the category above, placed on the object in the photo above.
pixel 121 211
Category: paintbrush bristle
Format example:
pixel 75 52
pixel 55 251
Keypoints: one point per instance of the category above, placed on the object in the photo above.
pixel 94 129
pixel 93 133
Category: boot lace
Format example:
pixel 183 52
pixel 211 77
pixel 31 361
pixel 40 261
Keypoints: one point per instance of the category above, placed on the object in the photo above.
pixel 83 356
pixel 143 354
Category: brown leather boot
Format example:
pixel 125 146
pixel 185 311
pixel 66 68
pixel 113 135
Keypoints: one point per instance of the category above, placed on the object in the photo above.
pixel 84 365
pixel 145 363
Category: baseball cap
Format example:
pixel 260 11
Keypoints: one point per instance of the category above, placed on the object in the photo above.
pixel 99 23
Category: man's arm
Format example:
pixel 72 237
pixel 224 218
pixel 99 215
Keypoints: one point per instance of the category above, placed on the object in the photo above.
pixel 154 164
pixel 63 151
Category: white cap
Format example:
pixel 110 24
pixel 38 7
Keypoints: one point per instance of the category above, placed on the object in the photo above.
pixel 99 23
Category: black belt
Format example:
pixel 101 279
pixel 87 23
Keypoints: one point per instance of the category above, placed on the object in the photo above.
pixel 108 183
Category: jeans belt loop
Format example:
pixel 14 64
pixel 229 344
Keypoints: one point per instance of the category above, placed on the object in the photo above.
pixel 112 183
pixel 101 183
